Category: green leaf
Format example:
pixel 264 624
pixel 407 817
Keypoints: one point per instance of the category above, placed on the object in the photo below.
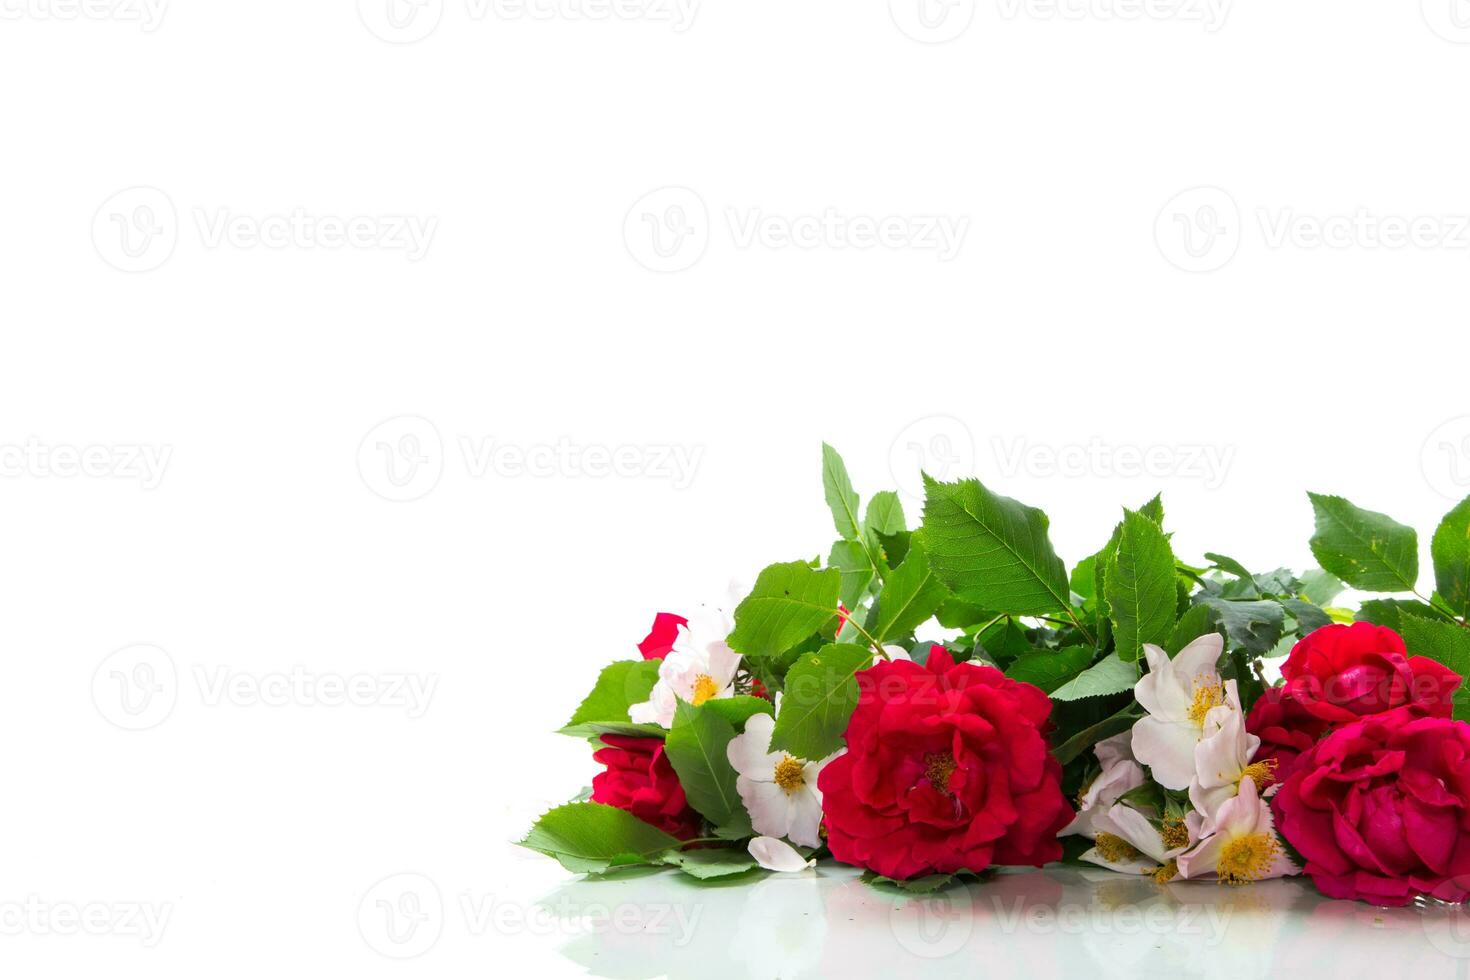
pixel 992 550
pixel 1154 510
pixel 1195 623
pixel 821 693
pixel 1252 626
pixel 1140 587
pixel 1445 643
pixel 1247 587
pixel 1083 580
pixel 738 710
pixel 1110 675
pixel 1090 736
pixel 1320 587
pixel 1450 548
pixel 909 597
pixel 957 614
pixel 790 602
pixel 1050 669
pixel 1308 616
pixel 849 558
pixel 1393 612
pixel 696 748
pixel 712 862
pixel 1367 550
pixel 926 885
pixel 841 497
pixel 885 515
pixel 605 711
pixel 592 837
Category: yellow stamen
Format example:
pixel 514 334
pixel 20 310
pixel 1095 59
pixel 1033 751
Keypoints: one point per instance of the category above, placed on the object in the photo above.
pixel 938 767
pixel 1114 848
pixel 1206 696
pixel 790 775
pixel 704 689
pixel 1174 833
pixel 1247 858
pixel 1261 773
pixel 1167 873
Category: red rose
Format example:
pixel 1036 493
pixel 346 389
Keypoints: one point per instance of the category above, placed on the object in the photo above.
pixel 1340 673
pixel 947 769
pixel 640 779
pixel 1286 730
pixel 660 640
pixel 1380 809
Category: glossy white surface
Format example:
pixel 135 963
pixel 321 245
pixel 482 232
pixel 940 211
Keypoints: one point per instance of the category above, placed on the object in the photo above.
pixel 1057 922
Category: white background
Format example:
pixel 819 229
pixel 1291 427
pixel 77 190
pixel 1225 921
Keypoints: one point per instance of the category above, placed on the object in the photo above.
pixel 532 314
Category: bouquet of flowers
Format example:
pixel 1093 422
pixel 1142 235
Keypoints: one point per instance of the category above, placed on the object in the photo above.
pixel 1118 714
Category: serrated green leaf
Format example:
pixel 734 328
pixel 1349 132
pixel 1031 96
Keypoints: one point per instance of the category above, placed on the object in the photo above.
pixel 739 709
pixel 821 693
pixel 926 885
pixel 712 862
pixel 1195 623
pixel 696 749
pixel 621 685
pixel 1247 587
pixel 592 837
pixel 884 516
pixel 1050 669
pixel 992 550
pixel 909 597
pixel 1450 548
pixel 1090 736
pixel 1365 549
pixel 1445 643
pixel 1320 587
pixel 1140 587
pixel 849 558
pixel 1308 616
pixel 1154 510
pixel 1392 612
pixel 841 497
pixel 790 602
pixel 1111 675
pixel 1250 625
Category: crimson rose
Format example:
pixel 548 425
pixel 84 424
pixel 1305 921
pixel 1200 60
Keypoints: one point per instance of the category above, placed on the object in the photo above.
pixel 1337 674
pixel 1380 809
pixel 947 769
pixel 640 779
pixel 660 639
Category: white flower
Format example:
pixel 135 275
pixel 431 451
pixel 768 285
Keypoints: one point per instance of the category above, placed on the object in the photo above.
pixel 1223 758
pixel 1240 842
pixel 701 666
pixel 1120 773
pixel 1127 841
pixel 777 855
pixel 779 791
pixel 1178 694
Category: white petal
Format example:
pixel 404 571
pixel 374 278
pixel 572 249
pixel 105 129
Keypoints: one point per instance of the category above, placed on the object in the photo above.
pixel 657 710
pixel 1162 692
pixel 1114 751
pixel 1200 656
pixel 750 752
pixel 1132 826
pixel 1132 866
pixel 777 855
pixel 723 662
pixel 805 818
pixel 1167 749
pixel 769 806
